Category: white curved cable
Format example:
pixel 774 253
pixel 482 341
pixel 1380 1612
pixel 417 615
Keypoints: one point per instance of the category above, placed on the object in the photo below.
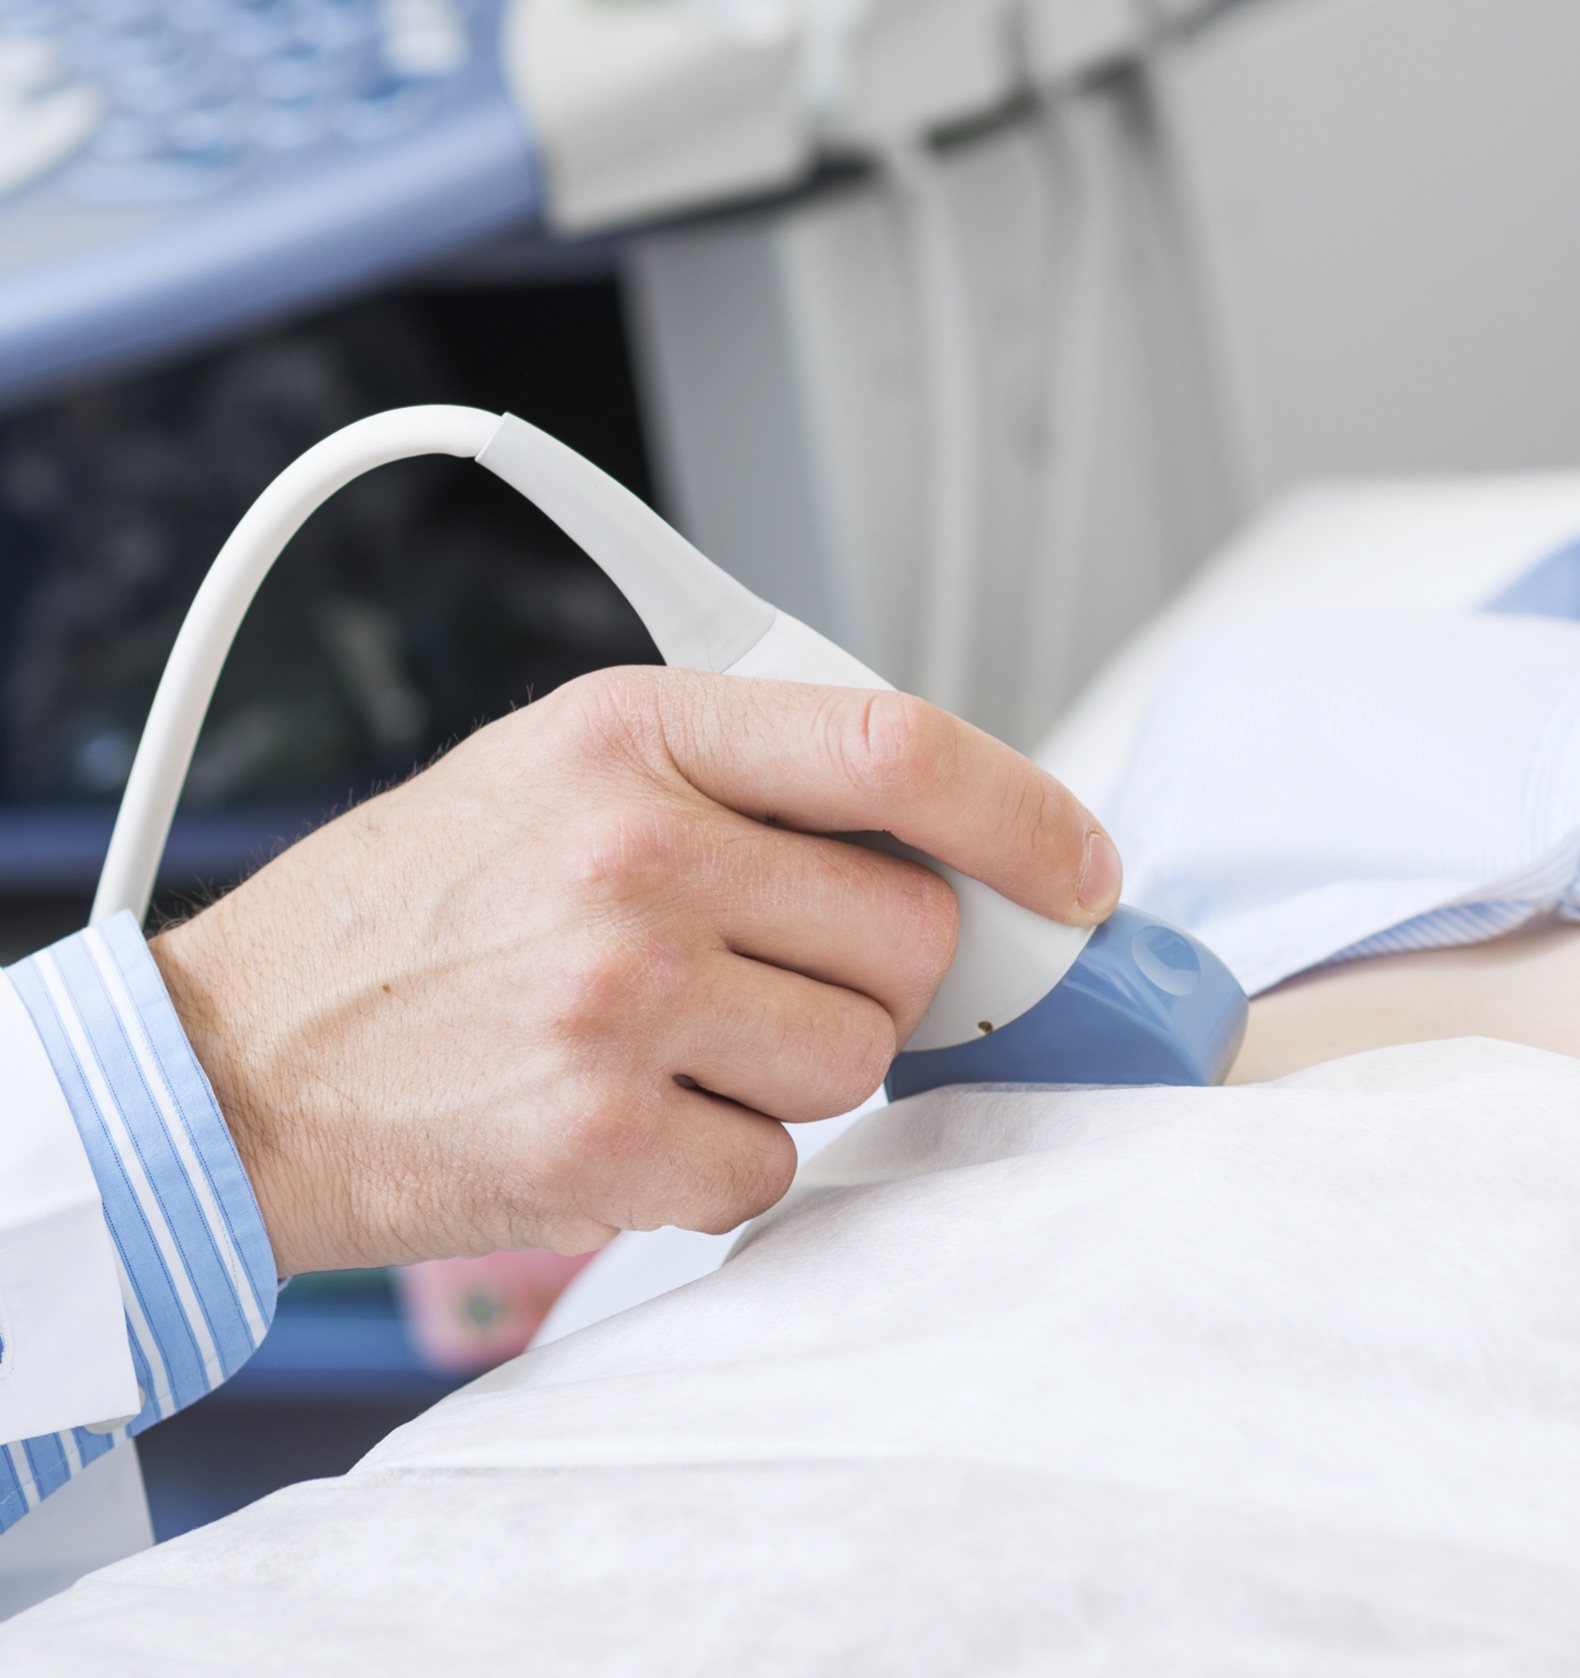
pixel 160 768
pixel 699 617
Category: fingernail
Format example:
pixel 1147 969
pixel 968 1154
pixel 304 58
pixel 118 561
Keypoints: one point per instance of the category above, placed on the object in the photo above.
pixel 1101 874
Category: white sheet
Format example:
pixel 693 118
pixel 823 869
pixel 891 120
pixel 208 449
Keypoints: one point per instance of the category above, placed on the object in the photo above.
pixel 639 1265
pixel 1271 1380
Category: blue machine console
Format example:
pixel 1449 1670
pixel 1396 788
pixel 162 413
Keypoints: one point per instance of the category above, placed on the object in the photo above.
pixel 173 169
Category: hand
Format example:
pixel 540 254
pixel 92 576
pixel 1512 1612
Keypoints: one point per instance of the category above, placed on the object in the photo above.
pixel 569 980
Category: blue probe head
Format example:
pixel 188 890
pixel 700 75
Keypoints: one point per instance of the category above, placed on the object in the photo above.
pixel 1144 1004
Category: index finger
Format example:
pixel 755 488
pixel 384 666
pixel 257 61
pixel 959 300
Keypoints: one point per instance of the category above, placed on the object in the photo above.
pixel 831 760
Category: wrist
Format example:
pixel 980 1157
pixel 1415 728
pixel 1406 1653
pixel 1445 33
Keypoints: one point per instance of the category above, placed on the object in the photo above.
pixel 205 985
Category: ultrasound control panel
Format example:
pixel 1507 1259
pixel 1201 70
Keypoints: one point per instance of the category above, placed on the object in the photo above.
pixel 173 169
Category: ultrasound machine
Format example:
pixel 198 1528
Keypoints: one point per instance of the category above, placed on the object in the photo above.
pixel 172 169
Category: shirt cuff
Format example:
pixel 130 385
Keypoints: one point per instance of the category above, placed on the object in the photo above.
pixel 196 1271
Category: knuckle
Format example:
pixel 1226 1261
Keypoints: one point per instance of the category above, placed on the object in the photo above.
pixel 598 989
pixel 612 1135
pixel 863 1058
pixel 607 712
pixel 746 1181
pixel 832 1057
pixel 929 913
pixel 883 741
pixel 625 854
pixel 1047 822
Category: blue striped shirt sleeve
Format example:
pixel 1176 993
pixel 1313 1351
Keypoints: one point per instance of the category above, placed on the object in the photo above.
pixel 196 1271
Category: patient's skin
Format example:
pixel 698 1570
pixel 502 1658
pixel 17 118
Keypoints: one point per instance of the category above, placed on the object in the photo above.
pixel 1522 988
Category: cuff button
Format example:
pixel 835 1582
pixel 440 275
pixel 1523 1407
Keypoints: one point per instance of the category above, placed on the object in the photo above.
pixel 116 1423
